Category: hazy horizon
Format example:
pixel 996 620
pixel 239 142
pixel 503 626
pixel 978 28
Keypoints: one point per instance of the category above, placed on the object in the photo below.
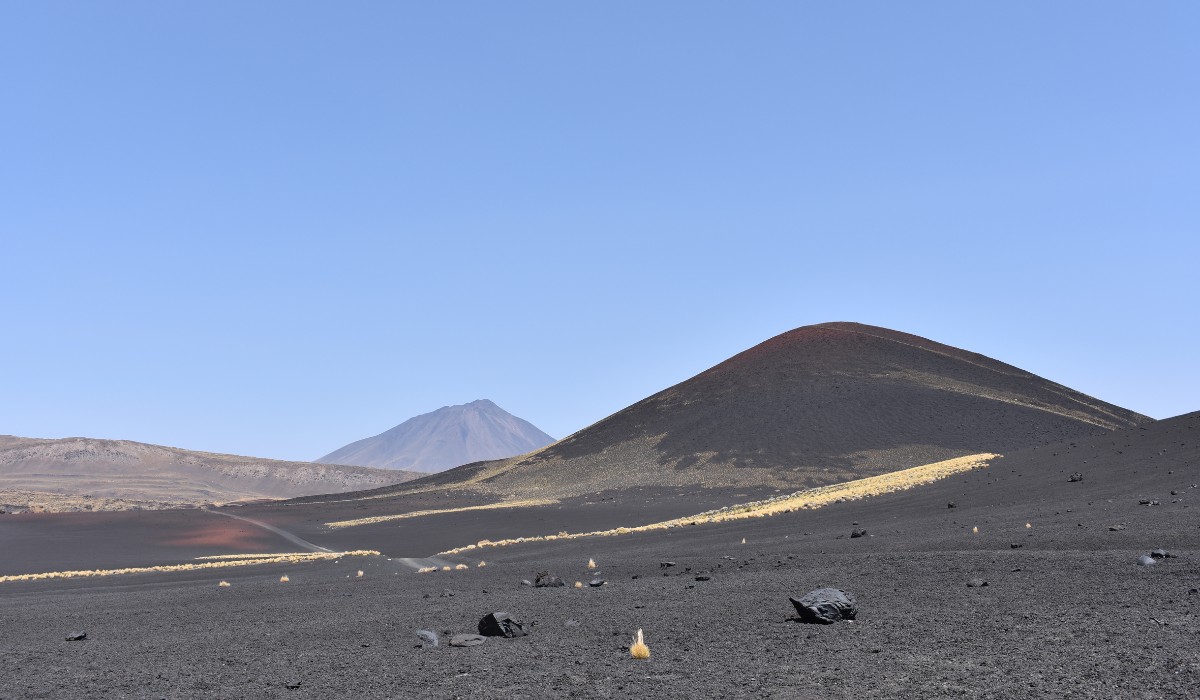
pixel 271 230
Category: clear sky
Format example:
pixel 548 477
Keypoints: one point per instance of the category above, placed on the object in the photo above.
pixel 272 228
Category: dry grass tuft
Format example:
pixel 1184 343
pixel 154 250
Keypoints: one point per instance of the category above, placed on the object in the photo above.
pixel 743 540
pixel 461 567
pixel 421 513
pixel 638 649
pixel 224 564
pixel 284 579
pixel 975 530
pixel 427 569
pixel 579 584
pixel 1028 525
pixel 591 563
pixel 481 564
pixel 808 499
pixel 359 574
pixel 223 584
pixel 445 568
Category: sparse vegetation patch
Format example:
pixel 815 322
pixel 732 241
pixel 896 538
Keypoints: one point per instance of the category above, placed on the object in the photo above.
pixel 808 499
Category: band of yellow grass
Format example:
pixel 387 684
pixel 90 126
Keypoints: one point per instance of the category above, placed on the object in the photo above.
pixel 269 559
pixel 422 513
pixel 808 499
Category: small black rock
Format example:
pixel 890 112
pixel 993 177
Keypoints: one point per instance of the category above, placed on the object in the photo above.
pixel 499 624
pixel 597 582
pixel 1077 476
pixel 76 636
pixel 665 564
pixel 703 578
pixel 1016 545
pixel 951 504
pixel 1162 554
pixel 857 533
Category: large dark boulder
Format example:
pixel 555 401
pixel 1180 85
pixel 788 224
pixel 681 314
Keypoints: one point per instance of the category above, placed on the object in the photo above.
pixel 499 624
pixel 547 580
pixel 825 606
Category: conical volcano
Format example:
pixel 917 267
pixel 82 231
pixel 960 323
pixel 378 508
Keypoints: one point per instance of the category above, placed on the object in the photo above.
pixel 447 437
pixel 816 405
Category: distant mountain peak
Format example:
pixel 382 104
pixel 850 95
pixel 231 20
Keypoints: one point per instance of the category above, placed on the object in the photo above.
pixel 448 437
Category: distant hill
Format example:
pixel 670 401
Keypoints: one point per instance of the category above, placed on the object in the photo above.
pixel 89 474
pixel 448 437
pixel 817 405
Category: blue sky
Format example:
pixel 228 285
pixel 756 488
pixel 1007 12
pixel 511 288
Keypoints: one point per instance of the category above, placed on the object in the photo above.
pixel 274 228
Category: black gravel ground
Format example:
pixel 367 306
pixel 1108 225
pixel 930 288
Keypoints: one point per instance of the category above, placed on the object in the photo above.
pixel 1068 614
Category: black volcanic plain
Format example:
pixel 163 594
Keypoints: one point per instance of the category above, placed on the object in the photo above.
pixel 1066 613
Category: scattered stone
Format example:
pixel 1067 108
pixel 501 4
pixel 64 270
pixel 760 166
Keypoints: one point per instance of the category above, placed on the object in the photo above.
pixel 1147 560
pixel 572 623
pixel 292 685
pixel 1193 591
pixel 951 504
pixel 665 564
pixel 467 640
pixel 1147 502
pixel 703 578
pixel 547 580
pixel 1115 528
pixel 428 638
pixel 825 606
pixel 1077 476
pixel 447 593
pixel 76 636
pixel 1162 554
pixel 857 533
pixel 499 624
pixel 597 582
pixel 1015 545
pixel 526 582
pixel 976 583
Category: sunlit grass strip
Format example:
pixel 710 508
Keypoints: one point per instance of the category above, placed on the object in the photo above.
pixel 808 499
pixel 278 559
pixel 254 556
pixel 422 513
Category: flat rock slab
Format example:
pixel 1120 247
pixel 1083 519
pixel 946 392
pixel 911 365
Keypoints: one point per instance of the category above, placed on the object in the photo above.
pixel 467 640
pixel 825 606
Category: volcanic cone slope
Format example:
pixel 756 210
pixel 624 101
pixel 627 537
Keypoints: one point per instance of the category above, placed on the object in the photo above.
pixel 817 405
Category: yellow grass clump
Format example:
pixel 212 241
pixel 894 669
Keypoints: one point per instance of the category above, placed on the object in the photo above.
pixel 461 567
pixel 422 513
pixel 224 564
pixel 1028 525
pixel 359 574
pixel 975 530
pixel 591 563
pixel 445 568
pixel 427 569
pixel 481 564
pixel 638 649
pixel 284 579
pixel 223 584
pixel 743 540
pixel 808 499
pixel 579 584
